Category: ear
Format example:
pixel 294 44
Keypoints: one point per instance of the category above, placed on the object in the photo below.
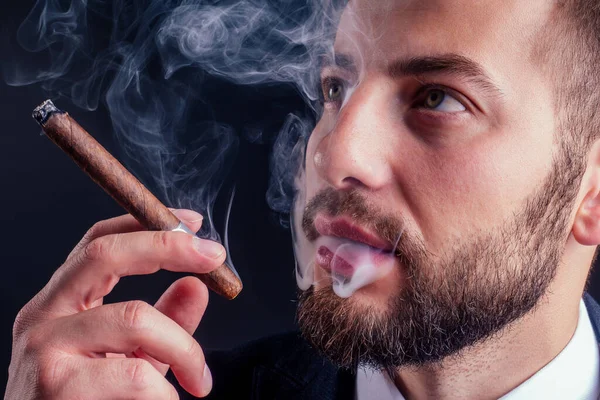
pixel 586 226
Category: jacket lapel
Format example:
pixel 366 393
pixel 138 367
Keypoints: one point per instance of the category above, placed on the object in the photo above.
pixel 593 310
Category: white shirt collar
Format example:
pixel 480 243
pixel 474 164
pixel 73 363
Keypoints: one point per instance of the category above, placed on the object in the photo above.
pixel 572 374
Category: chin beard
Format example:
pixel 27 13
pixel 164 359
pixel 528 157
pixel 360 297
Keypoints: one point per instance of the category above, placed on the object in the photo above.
pixel 413 330
pixel 448 303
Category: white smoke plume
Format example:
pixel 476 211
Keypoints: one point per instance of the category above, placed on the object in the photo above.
pixel 147 62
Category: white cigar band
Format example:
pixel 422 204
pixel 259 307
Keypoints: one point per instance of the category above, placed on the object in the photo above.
pixel 183 228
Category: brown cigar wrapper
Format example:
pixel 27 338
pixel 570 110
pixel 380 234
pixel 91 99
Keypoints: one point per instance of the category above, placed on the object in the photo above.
pixel 122 186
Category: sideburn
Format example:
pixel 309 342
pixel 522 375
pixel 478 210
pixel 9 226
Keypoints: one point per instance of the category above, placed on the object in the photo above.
pixel 448 305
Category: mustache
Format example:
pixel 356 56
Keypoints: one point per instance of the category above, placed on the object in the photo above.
pixel 354 204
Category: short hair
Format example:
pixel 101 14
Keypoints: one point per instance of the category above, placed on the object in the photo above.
pixel 568 49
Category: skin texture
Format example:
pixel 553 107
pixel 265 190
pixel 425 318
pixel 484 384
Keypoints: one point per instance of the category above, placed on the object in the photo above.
pixel 67 344
pixel 454 176
pixel 450 178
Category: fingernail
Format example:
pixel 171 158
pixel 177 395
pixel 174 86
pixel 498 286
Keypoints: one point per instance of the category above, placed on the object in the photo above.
pixel 207 379
pixel 192 216
pixel 209 248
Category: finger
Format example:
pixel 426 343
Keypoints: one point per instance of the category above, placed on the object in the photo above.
pixel 184 302
pixel 125 327
pixel 92 275
pixel 127 223
pixel 190 218
pixel 117 378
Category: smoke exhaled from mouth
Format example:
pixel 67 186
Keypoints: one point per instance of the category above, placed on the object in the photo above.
pixel 147 61
pixel 336 258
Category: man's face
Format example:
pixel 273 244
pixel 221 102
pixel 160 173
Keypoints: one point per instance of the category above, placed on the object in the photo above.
pixel 438 139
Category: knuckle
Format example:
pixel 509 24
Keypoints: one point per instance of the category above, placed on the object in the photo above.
pixel 31 314
pixel 161 239
pixel 36 361
pixel 50 376
pixel 22 321
pixel 136 315
pixel 194 351
pixel 96 230
pixel 136 371
pixel 98 249
pixel 33 342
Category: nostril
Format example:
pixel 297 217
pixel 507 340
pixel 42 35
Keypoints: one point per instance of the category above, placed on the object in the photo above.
pixel 353 182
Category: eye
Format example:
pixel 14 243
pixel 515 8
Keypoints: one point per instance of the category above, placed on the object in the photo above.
pixel 437 99
pixel 333 89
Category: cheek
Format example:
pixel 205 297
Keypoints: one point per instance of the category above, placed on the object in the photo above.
pixel 462 193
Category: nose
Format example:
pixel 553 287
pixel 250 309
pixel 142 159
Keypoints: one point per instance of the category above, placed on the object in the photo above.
pixel 354 154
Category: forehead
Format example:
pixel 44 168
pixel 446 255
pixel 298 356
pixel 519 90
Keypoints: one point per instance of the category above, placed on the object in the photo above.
pixel 490 31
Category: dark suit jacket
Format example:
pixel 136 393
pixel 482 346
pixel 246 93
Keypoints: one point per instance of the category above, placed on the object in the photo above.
pixel 285 367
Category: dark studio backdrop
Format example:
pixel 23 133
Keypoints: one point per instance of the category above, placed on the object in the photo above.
pixel 48 204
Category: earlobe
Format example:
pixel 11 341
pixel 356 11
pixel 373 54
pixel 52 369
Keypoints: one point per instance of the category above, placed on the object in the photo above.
pixel 586 226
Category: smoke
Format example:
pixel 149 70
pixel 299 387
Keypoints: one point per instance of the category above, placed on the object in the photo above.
pixel 286 167
pixel 147 61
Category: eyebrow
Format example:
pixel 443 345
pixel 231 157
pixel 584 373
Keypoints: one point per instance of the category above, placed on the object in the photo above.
pixel 451 63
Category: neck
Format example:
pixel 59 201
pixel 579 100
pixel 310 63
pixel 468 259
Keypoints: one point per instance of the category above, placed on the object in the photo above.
pixel 495 367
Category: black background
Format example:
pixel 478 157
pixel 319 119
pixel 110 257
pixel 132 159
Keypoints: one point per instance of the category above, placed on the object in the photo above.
pixel 47 204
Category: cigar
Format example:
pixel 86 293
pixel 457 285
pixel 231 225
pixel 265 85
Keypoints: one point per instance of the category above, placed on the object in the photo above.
pixel 122 186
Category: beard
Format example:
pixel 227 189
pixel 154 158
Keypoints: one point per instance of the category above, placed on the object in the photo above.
pixel 449 302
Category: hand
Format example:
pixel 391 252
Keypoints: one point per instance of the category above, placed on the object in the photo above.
pixel 67 344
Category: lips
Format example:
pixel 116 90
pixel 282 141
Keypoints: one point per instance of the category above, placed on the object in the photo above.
pixel 345 249
pixel 344 228
pixel 333 263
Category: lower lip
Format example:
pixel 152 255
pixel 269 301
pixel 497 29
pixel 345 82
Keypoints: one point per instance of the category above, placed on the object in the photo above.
pixel 346 266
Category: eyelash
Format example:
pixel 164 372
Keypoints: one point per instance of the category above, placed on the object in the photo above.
pixel 328 81
pixel 427 87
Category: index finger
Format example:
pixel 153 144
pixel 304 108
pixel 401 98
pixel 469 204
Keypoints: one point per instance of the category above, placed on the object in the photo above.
pixel 127 223
pixel 93 274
